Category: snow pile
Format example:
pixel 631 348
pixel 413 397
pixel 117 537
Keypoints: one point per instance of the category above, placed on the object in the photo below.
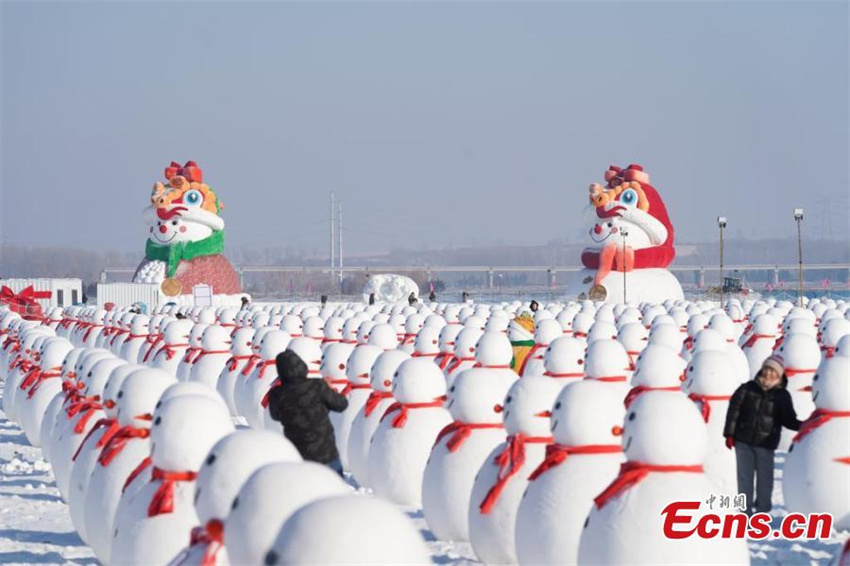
pixel 390 288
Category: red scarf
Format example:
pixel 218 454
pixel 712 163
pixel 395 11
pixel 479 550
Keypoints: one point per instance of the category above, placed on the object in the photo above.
pixel 249 366
pixel 112 428
pixel 639 390
pixel 424 355
pixel 461 431
pixel 208 353
pixel 189 355
pixel 754 338
pixel 170 350
pixel 500 366
pixel 136 472
pixel 609 378
pixel 556 454
pixel 233 362
pixel 817 419
pixel 162 501
pixel 118 441
pixel 89 331
pixel 43 376
pixel 401 418
pixel 211 536
pixel 116 335
pixel 510 460
pixel 632 473
pixel 263 367
pixel 157 338
pixel 704 406
pixel 375 398
pixel 444 360
pixel 349 387
pixel 562 375
pixel 264 402
pixel 456 362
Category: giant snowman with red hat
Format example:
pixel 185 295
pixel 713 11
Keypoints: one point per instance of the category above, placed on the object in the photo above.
pixel 186 236
pixel 631 241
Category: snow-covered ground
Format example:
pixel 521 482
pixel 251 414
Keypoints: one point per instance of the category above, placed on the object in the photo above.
pixel 35 527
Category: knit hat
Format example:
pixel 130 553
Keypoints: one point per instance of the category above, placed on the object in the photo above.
pixel 775 363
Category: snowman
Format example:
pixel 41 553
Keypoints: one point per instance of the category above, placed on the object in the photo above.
pixel 240 352
pixel 475 403
pixel 817 468
pixel 154 523
pixel 186 236
pixel 586 457
pixel 356 392
pixel 664 440
pixel 407 432
pixel 226 468
pixel 369 417
pixel 630 233
pixel 254 517
pixel 208 364
pixel 801 355
pixel 390 539
pixel 710 382
pixel 124 456
pixel 502 479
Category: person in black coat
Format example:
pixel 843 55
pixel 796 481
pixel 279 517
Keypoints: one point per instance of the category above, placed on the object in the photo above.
pixel 302 404
pixel 757 412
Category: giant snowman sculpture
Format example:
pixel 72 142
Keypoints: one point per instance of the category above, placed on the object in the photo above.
pixel 631 242
pixel 186 236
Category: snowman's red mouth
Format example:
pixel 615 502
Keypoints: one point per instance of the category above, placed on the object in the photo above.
pixel 611 212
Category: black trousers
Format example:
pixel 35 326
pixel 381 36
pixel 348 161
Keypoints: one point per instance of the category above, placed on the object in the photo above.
pixel 755 463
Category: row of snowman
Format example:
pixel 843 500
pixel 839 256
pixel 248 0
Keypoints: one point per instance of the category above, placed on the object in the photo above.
pixel 439 419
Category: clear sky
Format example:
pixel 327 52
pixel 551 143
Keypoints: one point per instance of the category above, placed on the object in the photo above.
pixel 436 124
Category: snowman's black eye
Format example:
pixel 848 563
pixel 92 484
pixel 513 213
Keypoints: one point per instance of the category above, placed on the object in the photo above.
pixel 210 459
pixel 452 389
pixel 271 558
pixel 557 405
pixel 815 378
pixel 235 504
pixel 508 399
pixel 120 394
pixel 157 421
pixel 158 404
pixel 631 416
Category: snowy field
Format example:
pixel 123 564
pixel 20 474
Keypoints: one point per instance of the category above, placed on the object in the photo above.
pixel 35 527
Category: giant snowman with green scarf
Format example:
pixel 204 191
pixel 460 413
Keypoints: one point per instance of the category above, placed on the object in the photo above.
pixel 186 236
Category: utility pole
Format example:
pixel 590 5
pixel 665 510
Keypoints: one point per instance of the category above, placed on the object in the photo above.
pixel 798 216
pixel 721 223
pixel 340 246
pixel 333 242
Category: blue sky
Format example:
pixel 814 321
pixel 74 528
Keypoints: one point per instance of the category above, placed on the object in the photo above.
pixel 436 124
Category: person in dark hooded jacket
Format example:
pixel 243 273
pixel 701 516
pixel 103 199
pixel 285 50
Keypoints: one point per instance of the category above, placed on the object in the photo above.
pixel 302 406
pixel 757 412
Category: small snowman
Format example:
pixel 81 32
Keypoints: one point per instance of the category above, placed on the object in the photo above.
pixel 225 469
pixel 817 469
pixel 254 517
pixel 156 521
pixel 208 364
pixel 390 539
pixel 584 460
pixel 369 417
pixel 407 432
pixel 664 440
pixel 502 479
pixel 710 382
pixel 475 403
